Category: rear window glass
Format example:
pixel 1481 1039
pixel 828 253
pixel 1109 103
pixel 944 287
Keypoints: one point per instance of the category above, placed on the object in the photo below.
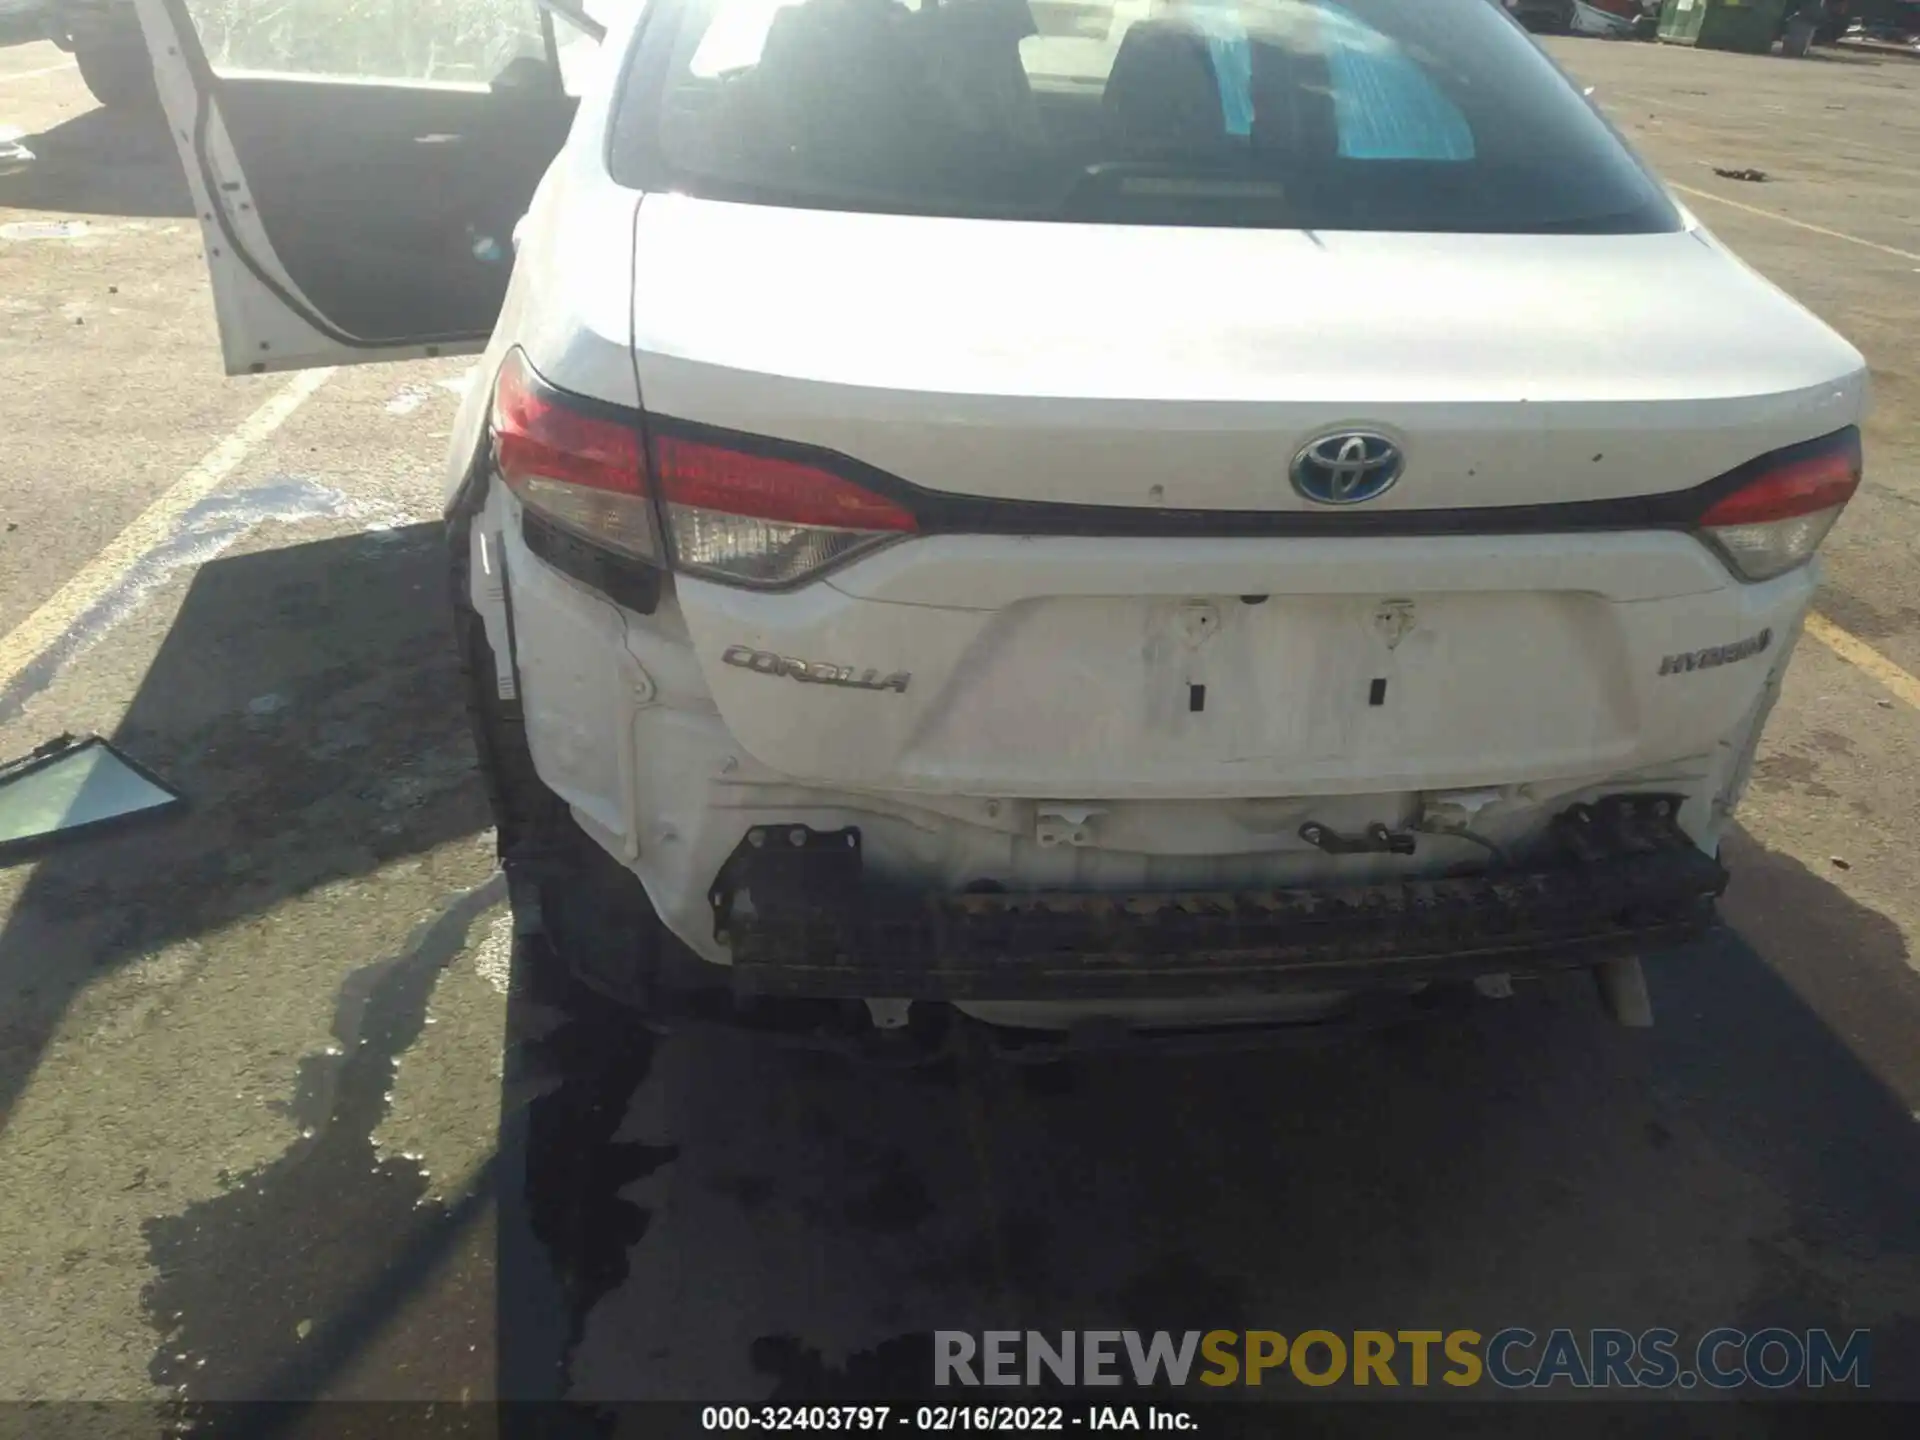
pixel 1422 115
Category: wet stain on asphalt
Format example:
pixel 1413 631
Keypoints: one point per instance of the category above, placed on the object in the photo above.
pixel 749 1192
pixel 1014 1258
pixel 897 1201
pixel 1830 741
pixel 897 1368
pixel 585 1070
pixel 1785 771
pixel 332 1236
pixel 266 1292
pixel 1177 1293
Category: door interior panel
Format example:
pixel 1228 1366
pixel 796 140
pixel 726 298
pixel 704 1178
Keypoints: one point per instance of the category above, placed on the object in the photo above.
pixel 390 205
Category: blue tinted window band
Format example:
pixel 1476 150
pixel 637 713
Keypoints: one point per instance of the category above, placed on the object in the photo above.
pixel 1384 105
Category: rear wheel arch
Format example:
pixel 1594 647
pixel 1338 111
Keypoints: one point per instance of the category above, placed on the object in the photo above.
pixel 598 920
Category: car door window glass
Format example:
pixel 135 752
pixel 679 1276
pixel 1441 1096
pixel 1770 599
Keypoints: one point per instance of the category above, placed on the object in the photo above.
pixel 441 41
pixel 579 53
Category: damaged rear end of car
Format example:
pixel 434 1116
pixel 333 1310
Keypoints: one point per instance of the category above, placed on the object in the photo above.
pixel 1228 606
pixel 1162 781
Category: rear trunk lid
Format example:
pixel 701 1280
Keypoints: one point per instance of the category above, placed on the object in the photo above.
pixel 1170 376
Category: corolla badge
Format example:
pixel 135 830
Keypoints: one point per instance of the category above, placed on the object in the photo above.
pixel 1347 467
pixel 813 672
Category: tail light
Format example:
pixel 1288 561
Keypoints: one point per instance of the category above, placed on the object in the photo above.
pixel 1776 519
pixel 764 520
pixel 583 471
pixel 740 516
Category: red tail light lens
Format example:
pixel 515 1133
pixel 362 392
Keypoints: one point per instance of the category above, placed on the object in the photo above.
pixel 732 514
pixel 582 471
pixel 1776 520
pixel 764 520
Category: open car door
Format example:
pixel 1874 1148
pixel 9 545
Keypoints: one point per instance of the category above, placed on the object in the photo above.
pixel 358 168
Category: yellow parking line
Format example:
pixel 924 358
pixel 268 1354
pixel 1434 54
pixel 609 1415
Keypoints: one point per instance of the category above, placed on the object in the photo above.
pixel 1856 652
pixel 1797 224
pixel 32 636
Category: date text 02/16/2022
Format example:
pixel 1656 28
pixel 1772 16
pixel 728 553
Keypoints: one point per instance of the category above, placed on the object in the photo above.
pixel 940 1419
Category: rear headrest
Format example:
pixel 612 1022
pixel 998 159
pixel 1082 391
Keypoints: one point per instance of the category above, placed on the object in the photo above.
pixel 855 74
pixel 1164 94
pixel 1161 93
pixel 838 72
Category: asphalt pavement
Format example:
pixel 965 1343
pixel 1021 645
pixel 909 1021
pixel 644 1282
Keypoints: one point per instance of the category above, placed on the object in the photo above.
pixel 284 1111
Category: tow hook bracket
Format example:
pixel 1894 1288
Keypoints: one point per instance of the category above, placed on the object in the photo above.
pixel 1064 825
pixel 815 868
pixel 1378 840
pixel 1621 825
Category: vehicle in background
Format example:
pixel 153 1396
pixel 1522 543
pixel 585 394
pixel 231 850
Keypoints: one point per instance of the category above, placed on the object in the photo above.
pixel 1602 23
pixel 22 21
pixel 1617 19
pixel 1111 531
pixel 105 40
pixel 1894 22
pixel 1544 17
pixel 1814 22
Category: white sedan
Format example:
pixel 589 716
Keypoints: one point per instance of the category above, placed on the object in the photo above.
pixel 1108 517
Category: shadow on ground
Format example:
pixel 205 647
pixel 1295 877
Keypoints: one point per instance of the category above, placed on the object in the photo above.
pixel 101 163
pixel 1855 57
pixel 711 1218
pixel 1524 1163
pixel 306 701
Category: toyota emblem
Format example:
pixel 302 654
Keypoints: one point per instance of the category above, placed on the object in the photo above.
pixel 1347 467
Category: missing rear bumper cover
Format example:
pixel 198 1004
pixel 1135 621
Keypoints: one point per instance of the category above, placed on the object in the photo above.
pixel 803 920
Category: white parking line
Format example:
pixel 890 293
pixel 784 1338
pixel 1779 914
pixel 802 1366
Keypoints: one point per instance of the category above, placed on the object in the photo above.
pixel 43 70
pixel 32 636
pixel 1797 224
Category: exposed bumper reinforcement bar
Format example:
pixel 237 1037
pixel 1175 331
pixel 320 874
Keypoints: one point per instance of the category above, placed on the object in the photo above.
pixel 803 920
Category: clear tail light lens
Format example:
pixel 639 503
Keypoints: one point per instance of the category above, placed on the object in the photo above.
pixel 1776 520
pixel 585 472
pixel 763 520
